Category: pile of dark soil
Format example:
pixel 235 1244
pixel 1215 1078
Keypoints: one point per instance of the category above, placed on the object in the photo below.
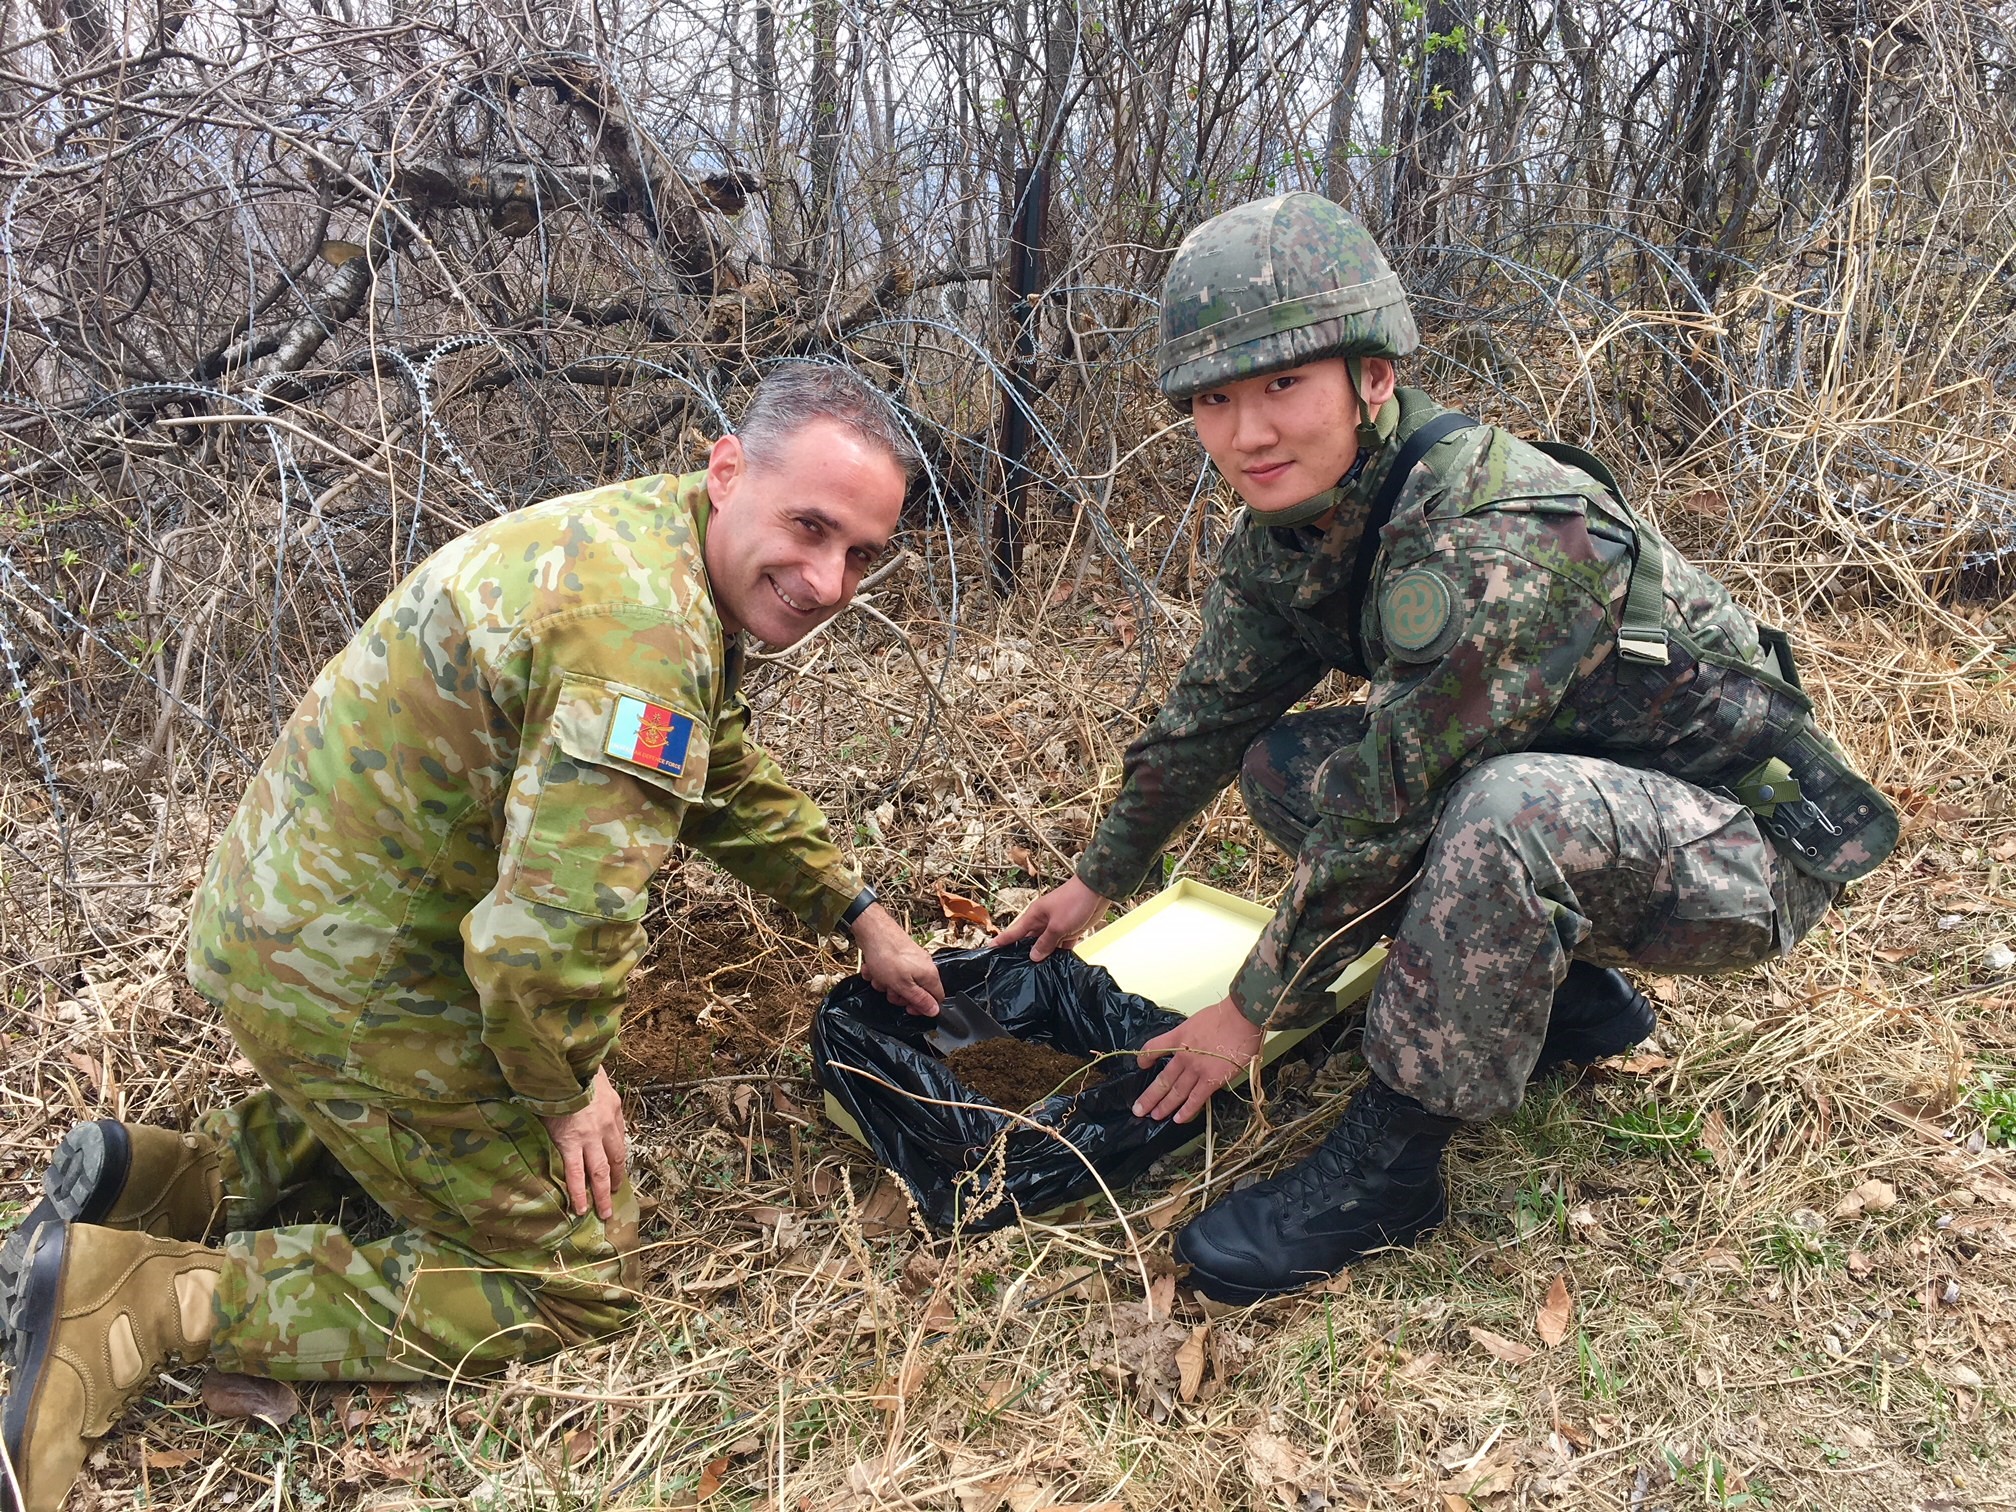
pixel 699 1008
pixel 1016 1074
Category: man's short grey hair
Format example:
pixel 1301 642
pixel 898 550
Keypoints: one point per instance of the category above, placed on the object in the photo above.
pixel 794 394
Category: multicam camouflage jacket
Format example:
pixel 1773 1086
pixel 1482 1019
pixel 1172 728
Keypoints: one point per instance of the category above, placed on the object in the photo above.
pixel 1490 626
pixel 435 884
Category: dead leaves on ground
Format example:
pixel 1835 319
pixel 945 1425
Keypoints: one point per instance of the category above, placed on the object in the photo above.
pixel 1283 1474
pixel 983 1484
pixel 229 1395
pixel 1160 1363
pixel 887 1210
pixel 1190 1361
pixel 961 910
pixel 1278 1467
pixel 711 1476
pixel 1164 1213
pixel 1871 1196
pixel 1496 1345
pixel 895 1392
pixel 1479 1477
pixel 1161 1296
pixel 1643 1064
pixel 1555 1313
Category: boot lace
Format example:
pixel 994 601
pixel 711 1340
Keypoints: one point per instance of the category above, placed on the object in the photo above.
pixel 1344 1150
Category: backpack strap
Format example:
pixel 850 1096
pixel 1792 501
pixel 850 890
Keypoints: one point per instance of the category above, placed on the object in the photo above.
pixel 1424 439
pixel 1641 637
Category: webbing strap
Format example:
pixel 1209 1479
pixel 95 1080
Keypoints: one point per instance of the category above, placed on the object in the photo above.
pixel 1418 444
pixel 1642 635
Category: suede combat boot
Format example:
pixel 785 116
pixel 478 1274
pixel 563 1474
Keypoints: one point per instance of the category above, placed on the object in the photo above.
pixel 101 1311
pixel 1597 1013
pixel 1375 1181
pixel 123 1176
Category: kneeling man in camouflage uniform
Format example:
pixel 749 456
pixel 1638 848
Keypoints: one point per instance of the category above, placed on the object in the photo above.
pixel 419 925
pixel 1576 752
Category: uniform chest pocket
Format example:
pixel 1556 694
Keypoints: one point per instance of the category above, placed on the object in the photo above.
pixel 613 778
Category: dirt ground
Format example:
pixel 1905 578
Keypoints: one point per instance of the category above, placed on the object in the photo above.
pixel 701 1006
pixel 1767 1262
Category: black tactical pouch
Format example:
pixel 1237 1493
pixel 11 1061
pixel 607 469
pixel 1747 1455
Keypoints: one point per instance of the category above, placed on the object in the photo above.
pixel 1829 820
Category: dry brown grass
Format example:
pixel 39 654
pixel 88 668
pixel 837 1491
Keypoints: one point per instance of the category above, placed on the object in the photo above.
pixel 1738 1335
pixel 808 1345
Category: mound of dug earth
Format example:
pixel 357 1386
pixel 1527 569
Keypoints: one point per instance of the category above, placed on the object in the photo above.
pixel 1016 1074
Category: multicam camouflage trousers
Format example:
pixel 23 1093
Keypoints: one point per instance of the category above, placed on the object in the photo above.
pixel 487 1265
pixel 1534 860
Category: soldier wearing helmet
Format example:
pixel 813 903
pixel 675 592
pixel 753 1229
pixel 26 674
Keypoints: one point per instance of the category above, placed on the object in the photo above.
pixel 1577 753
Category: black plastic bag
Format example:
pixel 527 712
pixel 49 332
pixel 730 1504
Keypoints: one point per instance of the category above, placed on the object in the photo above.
pixel 955 1160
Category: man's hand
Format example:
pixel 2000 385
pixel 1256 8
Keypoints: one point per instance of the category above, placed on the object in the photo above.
pixel 1205 1051
pixel 593 1147
pixel 896 965
pixel 1060 917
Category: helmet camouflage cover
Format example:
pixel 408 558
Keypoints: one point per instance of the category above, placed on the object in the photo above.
pixel 1273 284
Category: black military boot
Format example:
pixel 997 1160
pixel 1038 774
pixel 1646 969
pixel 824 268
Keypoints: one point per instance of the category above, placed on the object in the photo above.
pixel 1597 1013
pixel 1375 1181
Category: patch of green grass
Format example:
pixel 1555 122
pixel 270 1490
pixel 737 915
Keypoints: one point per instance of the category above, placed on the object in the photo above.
pixel 1552 1123
pixel 1993 1101
pixel 1229 865
pixel 1653 1128
pixel 1799 1244
pixel 1539 1205
pixel 1720 1483
pixel 1599 1382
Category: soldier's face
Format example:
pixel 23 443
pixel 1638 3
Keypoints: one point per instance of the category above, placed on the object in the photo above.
pixel 792 534
pixel 1284 437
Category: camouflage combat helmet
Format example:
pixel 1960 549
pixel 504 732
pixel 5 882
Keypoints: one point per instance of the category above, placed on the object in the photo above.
pixel 1273 284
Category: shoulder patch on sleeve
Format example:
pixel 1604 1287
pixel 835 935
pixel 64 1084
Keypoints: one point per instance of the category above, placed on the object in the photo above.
pixel 649 734
pixel 626 729
pixel 1415 614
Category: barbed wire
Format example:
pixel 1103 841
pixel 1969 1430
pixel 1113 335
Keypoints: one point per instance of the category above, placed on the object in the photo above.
pixel 328 296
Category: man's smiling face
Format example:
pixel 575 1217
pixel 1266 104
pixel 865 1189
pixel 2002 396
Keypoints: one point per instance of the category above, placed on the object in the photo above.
pixel 793 531
pixel 1284 437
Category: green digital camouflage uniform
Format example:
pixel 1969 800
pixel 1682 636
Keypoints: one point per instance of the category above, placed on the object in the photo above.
pixel 1557 797
pixel 420 922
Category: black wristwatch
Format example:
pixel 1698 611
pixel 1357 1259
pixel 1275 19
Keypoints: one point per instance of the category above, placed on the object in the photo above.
pixel 863 901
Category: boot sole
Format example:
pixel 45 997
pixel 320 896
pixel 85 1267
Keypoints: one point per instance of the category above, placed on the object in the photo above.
pixel 34 1331
pixel 86 1176
pixel 1397 1236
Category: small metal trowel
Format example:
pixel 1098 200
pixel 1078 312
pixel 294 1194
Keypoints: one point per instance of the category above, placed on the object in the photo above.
pixel 961 1022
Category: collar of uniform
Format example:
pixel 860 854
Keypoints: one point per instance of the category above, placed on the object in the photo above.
pixel 693 494
pixel 1399 417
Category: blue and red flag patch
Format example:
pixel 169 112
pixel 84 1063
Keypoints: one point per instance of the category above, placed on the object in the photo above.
pixel 650 735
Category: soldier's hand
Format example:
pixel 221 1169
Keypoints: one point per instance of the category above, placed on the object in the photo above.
pixel 1060 917
pixel 896 965
pixel 1204 1052
pixel 594 1148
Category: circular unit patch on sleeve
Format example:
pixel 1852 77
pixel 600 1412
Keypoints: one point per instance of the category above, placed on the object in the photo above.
pixel 1416 614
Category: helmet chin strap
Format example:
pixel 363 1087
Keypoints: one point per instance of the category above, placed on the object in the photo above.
pixel 1369 439
pixel 1308 512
